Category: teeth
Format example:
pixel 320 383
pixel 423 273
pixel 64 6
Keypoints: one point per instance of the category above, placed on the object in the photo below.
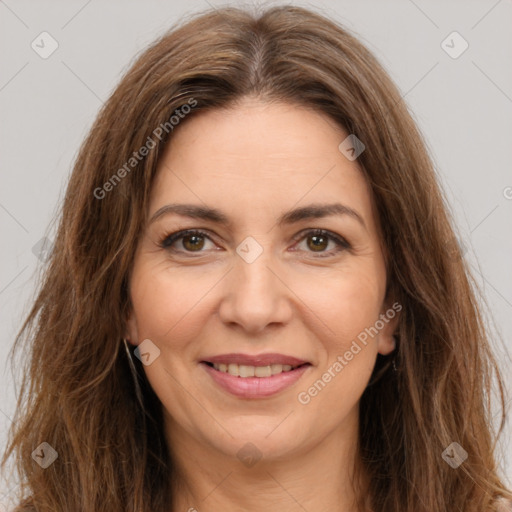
pixel 276 368
pixel 262 371
pixel 244 371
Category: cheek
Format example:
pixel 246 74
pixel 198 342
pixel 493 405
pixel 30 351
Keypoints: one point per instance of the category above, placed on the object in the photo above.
pixel 169 311
pixel 358 307
pixel 345 302
pixel 168 305
pixel 349 304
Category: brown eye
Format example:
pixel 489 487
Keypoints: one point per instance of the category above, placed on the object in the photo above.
pixel 193 242
pixel 187 241
pixel 318 242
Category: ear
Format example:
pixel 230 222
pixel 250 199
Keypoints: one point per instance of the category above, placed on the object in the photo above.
pixel 131 332
pixel 389 317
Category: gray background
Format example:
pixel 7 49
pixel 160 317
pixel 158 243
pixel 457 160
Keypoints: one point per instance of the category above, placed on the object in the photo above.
pixel 463 106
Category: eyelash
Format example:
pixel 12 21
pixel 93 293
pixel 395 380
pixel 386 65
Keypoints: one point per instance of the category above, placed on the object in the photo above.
pixel 342 244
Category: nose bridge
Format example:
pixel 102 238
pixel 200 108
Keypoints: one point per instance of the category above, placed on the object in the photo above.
pixel 256 297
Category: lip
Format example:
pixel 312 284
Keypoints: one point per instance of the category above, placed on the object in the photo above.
pixel 256 360
pixel 256 387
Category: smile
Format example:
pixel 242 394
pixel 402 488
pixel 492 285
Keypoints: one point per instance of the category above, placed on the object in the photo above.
pixel 251 382
pixel 244 371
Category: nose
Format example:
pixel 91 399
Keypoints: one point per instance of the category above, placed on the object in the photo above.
pixel 255 295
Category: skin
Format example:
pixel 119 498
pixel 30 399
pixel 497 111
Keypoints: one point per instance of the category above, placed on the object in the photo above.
pixel 254 162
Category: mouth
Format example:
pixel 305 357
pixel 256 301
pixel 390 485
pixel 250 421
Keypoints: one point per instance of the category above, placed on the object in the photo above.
pixel 244 371
pixel 267 376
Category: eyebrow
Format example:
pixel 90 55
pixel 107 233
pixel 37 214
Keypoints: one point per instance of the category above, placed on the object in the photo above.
pixel 311 211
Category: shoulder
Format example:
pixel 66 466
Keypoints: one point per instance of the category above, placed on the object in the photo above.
pixel 503 505
pixel 27 505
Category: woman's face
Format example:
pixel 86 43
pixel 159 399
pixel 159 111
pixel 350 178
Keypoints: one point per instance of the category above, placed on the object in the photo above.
pixel 257 285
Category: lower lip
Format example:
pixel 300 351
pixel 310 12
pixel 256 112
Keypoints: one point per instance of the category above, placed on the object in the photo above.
pixel 256 387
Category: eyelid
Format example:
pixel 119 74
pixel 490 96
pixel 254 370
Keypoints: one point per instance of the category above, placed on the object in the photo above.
pixel 320 231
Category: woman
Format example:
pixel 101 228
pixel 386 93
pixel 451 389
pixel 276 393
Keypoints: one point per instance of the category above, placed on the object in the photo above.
pixel 255 300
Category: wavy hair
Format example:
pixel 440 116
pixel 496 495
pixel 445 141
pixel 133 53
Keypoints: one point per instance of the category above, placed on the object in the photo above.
pixel 79 393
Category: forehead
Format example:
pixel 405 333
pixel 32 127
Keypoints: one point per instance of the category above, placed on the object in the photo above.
pixel 259 157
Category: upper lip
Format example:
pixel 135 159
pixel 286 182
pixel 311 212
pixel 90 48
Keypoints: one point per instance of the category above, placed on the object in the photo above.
pixel 257 360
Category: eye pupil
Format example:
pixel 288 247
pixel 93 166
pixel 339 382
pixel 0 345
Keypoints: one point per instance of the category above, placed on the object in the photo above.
pixel 198 242
pixel 316 244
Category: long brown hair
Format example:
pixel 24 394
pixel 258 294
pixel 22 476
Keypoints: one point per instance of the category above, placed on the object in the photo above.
pixel 78 392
